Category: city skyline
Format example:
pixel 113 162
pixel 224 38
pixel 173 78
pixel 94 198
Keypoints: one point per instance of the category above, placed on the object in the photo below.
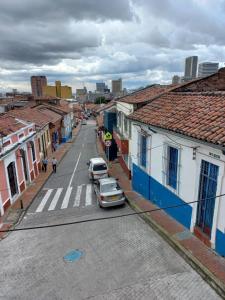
pixel 81 44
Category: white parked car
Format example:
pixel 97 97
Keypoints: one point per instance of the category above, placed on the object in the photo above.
pixel 109 193
pixel 97 168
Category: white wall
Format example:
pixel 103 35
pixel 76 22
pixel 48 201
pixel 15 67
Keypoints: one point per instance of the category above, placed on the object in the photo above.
pixel 189 169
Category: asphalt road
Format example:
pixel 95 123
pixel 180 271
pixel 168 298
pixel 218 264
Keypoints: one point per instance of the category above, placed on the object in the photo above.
pixel 120 258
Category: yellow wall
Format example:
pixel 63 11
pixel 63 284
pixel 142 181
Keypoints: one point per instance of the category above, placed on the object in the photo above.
pixel 58 90
pixel 50 91
pixel 66 92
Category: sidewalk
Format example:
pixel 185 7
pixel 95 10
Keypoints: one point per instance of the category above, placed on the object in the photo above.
pixel 14 214
pixel 203 259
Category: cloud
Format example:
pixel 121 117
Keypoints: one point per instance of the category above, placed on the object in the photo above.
pixel 87 40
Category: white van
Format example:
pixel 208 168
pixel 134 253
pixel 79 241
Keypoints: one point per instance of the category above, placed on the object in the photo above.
pixel 97 168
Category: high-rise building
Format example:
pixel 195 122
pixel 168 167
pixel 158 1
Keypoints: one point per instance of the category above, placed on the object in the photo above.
pixel 38 83
pixel 207 68
pixel 176 79
pixel 117 86
pixel 100 87
pixel 58 90
pixel 190 71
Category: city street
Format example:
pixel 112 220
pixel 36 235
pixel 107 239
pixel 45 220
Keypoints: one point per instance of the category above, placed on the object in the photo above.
pixel 121 258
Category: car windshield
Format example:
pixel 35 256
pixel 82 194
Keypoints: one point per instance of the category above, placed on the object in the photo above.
pixel 99 167
pixel 110 187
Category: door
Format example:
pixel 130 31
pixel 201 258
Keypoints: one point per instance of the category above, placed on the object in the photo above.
pixel 206 196
pixel 23 154
pixel 12 178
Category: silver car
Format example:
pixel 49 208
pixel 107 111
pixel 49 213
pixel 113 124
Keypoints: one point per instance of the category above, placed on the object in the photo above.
pixel 108 192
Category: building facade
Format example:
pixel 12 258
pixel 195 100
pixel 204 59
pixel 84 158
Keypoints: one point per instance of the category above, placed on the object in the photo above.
pixel 117 86
pixel 207 68
pixel 38 85
pixel 58 91
pixel 19 159
pixel 178 155
pixel 190 71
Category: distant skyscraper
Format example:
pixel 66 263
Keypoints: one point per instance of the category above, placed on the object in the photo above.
pixel 176 79
pixel 100 87
pixel 190 71
pixel 38 83
pixel 117 86
pixel 207 68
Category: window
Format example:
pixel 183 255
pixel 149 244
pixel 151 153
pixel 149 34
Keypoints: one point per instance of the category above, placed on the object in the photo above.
pixel 130 128
pixel 143 150
pixel 99 167
pixel 125 124
pixel 172 167
pixel 32 150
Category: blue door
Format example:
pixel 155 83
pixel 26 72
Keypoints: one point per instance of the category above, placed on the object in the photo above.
pixel 206 197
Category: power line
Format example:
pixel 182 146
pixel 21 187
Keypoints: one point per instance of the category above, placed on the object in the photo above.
pixel 112 217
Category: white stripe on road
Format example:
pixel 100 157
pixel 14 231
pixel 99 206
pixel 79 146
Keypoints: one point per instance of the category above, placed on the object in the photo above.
pixel 74 170
pixel 78 194
pixel 67 197
pixel 88 195
pixel 44 201
pixel 55 199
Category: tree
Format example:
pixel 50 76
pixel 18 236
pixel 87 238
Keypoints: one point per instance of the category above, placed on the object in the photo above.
pixel 100 100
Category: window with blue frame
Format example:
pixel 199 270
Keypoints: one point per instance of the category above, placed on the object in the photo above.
pixel 172 167
pixel 143 151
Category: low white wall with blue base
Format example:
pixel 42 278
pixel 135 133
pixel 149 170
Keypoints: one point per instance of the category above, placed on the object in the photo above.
pixel 158 194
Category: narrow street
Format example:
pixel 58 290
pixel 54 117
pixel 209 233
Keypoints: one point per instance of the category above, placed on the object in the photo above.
pixel 122 258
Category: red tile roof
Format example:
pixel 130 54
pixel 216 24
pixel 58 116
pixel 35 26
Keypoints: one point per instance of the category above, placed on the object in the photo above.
pixel 198 115
pixel 9 124
pixel 31 115
pixel 51 115
pixel 106 106
pixel 146 94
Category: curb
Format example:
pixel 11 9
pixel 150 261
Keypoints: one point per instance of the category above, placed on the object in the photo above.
pixel 211 279
pixel 23 212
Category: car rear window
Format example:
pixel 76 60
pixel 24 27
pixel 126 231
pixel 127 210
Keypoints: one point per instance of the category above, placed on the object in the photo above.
pixel 110 187
pixel 99 167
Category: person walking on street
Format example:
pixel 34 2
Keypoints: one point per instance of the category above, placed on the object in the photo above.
pixel 54 164
pixel 45 164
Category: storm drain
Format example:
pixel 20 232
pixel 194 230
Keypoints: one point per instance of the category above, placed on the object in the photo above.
pixel 73 255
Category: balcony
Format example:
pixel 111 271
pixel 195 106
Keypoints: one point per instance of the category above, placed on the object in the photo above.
pixel 121 141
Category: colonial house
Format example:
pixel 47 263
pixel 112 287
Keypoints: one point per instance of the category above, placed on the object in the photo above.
pixel 19 158
pixel 42 126
pixel 63 109
pixel 125 106
pixel 178 156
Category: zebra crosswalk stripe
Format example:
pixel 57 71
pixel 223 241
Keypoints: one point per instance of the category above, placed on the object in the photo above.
pixel 78 195
pixel 88 195
pixel 66 198
pixel 55 199
pixel 44 201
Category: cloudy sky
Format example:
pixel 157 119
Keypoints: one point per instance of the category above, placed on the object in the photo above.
pixel 83 41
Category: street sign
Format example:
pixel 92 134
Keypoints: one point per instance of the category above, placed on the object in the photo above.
pixel 107 136
pixel 108 143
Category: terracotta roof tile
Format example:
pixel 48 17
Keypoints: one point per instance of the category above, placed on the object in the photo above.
pixel 146 94
pixel 198 115
pixel 9 124
pixel 30 115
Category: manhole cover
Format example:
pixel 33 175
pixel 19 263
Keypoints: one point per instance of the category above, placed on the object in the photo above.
pixel 73 255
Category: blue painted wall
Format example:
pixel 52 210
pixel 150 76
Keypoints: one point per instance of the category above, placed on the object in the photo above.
pixel 220 242
pixel 161 196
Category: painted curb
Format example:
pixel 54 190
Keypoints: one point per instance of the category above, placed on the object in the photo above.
pixel 211 279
